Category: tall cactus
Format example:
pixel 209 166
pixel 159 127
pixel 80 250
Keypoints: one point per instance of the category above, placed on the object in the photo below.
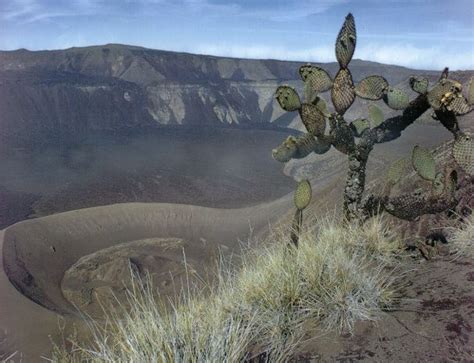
pixel 357 139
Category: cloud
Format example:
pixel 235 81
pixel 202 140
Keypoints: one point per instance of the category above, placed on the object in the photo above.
pixel 404 55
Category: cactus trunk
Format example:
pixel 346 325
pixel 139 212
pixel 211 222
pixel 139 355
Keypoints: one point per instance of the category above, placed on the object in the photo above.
pixel 355 184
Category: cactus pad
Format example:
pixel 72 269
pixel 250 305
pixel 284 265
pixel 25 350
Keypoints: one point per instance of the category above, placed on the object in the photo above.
pixel 302 196
pixel 313 119
pixel 306 144
pixel 342 93
pixel 406 206
pixel 470 92
pixel 286 150
pixel 359 126
pixel 396 99
pixel 463 152
pixel 316 78
pixel 346 42
pixel 419 84
pixel 322 106
pixel 288 98
pixel 375 116
pixel 396 171
pixel 459 105
pixel 371 88
pixel 443 91
pixel 424 163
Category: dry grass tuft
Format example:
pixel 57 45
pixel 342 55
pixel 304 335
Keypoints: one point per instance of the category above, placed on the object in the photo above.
pixel 337 276
pixel 462 239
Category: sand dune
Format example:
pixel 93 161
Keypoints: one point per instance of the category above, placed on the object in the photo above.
pixel 37 253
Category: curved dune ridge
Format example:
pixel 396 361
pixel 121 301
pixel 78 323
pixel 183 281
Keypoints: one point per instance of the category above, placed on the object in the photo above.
pixel 37 253
pixel 62 261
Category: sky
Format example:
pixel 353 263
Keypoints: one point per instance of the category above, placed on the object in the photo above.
pixel 421 34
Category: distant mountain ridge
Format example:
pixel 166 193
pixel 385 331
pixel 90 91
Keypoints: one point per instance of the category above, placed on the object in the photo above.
pixel 65 95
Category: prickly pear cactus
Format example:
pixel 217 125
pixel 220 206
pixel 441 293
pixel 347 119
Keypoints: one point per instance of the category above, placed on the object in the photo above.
pixel 346 42
pixel 359 126
pixel 470 92
pixel 406 206
pixel 371 88
pixel 286 151
pixel 424 163
pixel 300 147
pixel 316 78
pixel 375 116
pixel 445 99
pixel 303 194
pixel 322 106
pixel 463 152
pixel 302 198
pixel 288 98
pixel 444 91
pixel 419 84
pixel 458 105
pixel 396 170
pixel 396 99
pixel 343 93
pixel 342 136
pixel 313 119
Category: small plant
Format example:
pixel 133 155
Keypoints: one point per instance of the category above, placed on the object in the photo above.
pixel 302 199
pixel 357 139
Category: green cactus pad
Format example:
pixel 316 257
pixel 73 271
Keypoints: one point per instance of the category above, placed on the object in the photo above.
pixel 313 119
pixel 322 106
pixel 302 196
pixel 316 78
pixel 438 184
pixel 396 99
pixel 459 105
pixel 371 88
pixel 342 93
pixel 286 150
pixel 470 92
pixel 359 126
pixel 307 144
pixel 375 116
pixel 396 171
pixel 444 90
pixel 424 163
pixel 346 42
pixel 342 137
pixel 463 152
pixel 310 95
pixel 419 84
pixel 288 98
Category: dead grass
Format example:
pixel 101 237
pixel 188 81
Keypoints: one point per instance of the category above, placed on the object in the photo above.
pixel 462 239
pixel 277 296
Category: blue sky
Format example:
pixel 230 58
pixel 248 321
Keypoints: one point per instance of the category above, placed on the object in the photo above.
pixel 423 34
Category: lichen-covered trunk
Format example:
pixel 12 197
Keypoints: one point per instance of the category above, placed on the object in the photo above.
pixel 355 184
